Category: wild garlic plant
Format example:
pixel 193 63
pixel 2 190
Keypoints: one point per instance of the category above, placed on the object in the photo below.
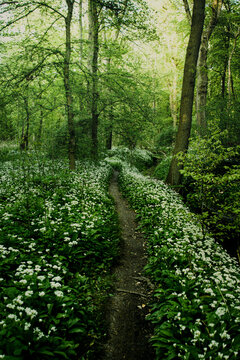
pixel 58 240
pixel 196 305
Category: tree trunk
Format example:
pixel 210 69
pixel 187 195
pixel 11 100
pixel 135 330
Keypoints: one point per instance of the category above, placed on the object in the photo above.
pixel 230 78
pixel 80 97
pixel 109 136
pixel 39 134
pixel 185 120
pixel 25 132
pixel 81 28
pixel 93 59
pixel 173 96
pixel 202 83
pixel 68 89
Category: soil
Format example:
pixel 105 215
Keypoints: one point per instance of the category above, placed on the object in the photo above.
pixel 128 330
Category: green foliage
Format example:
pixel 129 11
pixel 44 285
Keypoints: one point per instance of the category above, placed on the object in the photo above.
pixel 8 151
pixel 213 172
pixel 55 257
pixel 166 136
pixel 162 168
pixel 139 158
pixel 195 309
pixel 218 108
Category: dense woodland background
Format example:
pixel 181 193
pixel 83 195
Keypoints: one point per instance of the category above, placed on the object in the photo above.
pixel 81 77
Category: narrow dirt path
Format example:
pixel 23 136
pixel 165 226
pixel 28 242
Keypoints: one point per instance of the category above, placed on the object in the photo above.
pixel 129 332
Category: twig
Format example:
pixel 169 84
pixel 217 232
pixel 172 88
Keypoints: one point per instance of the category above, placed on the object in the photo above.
pixel 132 292
pixel 143 278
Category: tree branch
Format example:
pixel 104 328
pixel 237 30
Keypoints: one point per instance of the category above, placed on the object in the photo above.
pixel 188 11
pixel 50 7
pixel 19 18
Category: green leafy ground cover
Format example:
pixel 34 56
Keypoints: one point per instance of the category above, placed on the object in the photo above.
pixel 139 158
pixel 196 306
pixel 58 240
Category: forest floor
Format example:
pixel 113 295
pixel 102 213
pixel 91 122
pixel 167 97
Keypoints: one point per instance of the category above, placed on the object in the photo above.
pixel 129 332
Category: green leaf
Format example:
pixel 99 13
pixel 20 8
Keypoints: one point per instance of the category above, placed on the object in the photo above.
pixel 62 354
pixel 47 352
pixel 77 330
pixel 50 307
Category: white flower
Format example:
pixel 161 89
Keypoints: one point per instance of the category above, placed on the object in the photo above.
pixel 197 333
pixel 31 312
pixel 23 281
pixel 220 311
pixel 213 343
pixel 41 277
pixel 42 293
pixel 72 243
pixel 28 293
pixel 12 316
pixel 225 335
pixel 58 293
pixel 18 300
pixel 55 285
pixel 27 326
pixel 10 306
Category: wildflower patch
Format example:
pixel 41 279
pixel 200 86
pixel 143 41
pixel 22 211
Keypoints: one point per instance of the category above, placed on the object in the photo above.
pixel 58 240
pixel 196 306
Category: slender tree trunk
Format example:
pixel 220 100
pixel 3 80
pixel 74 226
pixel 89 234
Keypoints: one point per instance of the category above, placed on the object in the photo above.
pixel 80 98
pixel 39 135
pixel 94 48
pixel 225 64
pixel 110 133
pixel 81 28
pixel 173 96
pixel 185 120
pixel 68 89
pixel 110 112
pixel 202 83
pixel 25 131
pixel 230 78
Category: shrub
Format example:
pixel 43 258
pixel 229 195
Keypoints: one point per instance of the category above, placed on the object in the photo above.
pixel 214 190
pixel 137 157
pixel 162 168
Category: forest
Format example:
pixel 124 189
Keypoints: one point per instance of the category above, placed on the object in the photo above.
pixel 141 96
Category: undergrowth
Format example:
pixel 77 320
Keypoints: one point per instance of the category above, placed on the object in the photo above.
pixel 195 310
pixel 58 240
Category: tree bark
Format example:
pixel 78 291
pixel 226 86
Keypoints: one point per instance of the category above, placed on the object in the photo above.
pixel 173 96
pixel 25 132
pixel 230 78
pixel 93 61
pixel 185 120
pixel 68 89
pixel 202 83
pixel 39 133
pixel 81 28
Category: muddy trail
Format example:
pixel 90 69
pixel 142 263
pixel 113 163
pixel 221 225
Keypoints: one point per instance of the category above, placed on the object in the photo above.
pixel 129 332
